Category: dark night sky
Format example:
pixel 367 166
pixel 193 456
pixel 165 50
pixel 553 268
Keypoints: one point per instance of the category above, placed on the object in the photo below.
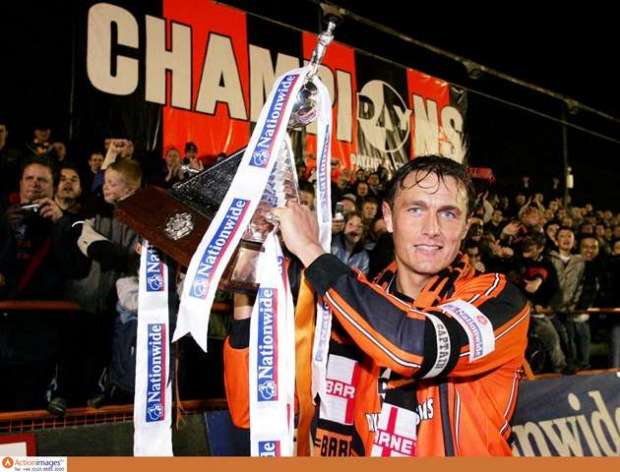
pixel 569 51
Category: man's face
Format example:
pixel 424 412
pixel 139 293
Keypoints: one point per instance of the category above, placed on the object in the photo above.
pixel 587 229
pixel 36 182
pixel 95 162
pixel 115 187
pixel 616 233
pixel 531 217
pixel 343 179
pixel 616 249
pixel 428 221
pixel 191 153
pixel 373 180
pixel 496 216
pixel 474 254
pixel 532 251
pixel 362 189
pixel 69 184
pixel 553 205
pixel 306 199
pixel 552 231
pixel 354 230
pixel 347 206
pixel 3 135
pixel 566 239
pixel 173 158
pixel 369 210
pixel 42 135
pixel 520 199
pixel 589 248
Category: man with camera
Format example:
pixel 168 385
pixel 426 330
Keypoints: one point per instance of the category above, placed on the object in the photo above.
pixel 33 266
pixel 26 243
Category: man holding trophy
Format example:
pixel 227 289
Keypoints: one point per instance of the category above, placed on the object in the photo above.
pixel 425 360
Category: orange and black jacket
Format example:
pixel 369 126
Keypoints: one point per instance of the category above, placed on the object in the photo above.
pixel 434 376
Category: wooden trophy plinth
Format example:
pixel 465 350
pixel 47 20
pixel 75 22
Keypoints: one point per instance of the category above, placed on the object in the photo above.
pixel 175 220
pixel 148 211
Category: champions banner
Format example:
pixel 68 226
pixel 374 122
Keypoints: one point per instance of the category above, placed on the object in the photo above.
pixel 167 72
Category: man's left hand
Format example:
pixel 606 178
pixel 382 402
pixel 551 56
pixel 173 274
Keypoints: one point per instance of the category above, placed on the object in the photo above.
pixel 300 231
pixel 49 209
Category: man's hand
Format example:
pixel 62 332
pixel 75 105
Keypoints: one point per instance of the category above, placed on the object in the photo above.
pixel 242 306
pixel 300 231
pixel 196 164
pixel 49 209
pixel 511 229
pixel 532 286
pixel 88 236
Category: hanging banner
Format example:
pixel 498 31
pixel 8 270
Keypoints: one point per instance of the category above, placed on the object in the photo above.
pixel 172 71
pixel 568 416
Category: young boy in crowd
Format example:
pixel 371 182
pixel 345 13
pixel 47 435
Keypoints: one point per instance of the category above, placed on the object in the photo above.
pixel 111 248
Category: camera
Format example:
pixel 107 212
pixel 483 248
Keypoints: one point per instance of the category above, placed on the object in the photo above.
pixel 30 207
pixel 339 213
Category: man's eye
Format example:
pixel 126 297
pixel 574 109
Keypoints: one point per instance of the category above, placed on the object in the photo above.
pixel 415 210
pixel 449 214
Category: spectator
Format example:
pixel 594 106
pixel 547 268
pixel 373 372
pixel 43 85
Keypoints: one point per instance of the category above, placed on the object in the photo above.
pixel 173 170
pixel 69 190
pixel 191 158
pixel 348 246
pixel 374 185
pixel 342 186
pixel 349 203
pixel 472 249
pixel 40 145
pixel 370 207
pixel 382 253
pixel 551 230
pixel 494 226
pixel 361 190
pixel 306 194
pixel 539 282
pixel 569 268
pixel 9 167
pixel 95 162
pixel 33 266
pixel 111 247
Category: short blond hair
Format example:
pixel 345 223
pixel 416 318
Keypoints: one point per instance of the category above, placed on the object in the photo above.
pixel 130 170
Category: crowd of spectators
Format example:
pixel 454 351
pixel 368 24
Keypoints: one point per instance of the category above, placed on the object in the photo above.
pixel 61 241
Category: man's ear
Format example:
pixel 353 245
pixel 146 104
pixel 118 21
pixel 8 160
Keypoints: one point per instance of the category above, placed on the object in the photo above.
pixel 387 217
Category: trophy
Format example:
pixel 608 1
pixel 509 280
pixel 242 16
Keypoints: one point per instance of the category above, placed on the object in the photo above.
pixel 175 220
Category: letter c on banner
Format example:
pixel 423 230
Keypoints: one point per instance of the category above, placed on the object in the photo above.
pixel 99 49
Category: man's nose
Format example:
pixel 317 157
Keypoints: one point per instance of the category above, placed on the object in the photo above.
pixel 430 224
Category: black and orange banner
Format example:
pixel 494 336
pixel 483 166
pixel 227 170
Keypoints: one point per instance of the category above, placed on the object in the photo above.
pixel 171 71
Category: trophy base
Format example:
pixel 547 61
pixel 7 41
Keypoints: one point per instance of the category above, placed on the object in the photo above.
pixel 149 212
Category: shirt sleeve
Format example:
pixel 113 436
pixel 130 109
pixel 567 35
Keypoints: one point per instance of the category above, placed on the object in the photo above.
pixel 481 327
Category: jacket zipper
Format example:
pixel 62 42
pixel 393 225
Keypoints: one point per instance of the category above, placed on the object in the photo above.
pixel 448 442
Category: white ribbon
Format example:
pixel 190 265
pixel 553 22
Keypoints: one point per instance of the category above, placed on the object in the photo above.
pixel 153 392
pixel 324 213
pixel 237 208
pixel 272 357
